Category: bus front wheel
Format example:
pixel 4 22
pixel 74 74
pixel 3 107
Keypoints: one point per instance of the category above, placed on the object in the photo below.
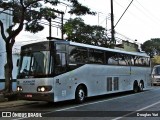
pixel 80 94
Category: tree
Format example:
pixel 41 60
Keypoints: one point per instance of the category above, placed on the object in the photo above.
pixel 152 47
pixel 155 60
pixel 28 13
pixel 77 31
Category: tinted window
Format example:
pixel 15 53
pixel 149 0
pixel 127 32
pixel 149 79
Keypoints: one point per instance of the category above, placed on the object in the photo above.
pixel 111 58
pixel 124 59
pixel 78 54
pixel 96 56
pixel 140 61
pixel 60 59
pixel 146 62
pixel 60 63
pixel 60 47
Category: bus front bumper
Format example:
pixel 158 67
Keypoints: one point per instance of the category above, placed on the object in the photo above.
pixel 37 96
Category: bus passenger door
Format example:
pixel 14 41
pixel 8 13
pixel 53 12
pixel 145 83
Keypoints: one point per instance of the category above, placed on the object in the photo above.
pixel 61 91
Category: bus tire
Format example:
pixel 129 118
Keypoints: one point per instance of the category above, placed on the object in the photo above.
pixel 141 86
pixel 80 94
pixel 135 87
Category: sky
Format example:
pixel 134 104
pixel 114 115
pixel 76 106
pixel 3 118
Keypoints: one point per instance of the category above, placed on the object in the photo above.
pixel 141 21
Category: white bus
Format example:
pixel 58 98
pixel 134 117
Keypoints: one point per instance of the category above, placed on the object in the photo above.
pixel 62 70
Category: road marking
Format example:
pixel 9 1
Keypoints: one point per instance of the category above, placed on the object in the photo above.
pixel 99 101
pixel 137 110
pixel 94 103
pixel 81 105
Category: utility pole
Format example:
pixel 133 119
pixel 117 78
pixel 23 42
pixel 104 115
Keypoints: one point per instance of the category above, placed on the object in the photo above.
pixel 62 30
pixel 50 25
pixel 50 28
pixel 112 25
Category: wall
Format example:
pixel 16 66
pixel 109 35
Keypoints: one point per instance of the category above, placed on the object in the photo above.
pixel 7 21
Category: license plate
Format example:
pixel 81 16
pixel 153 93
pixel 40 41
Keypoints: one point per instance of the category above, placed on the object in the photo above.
pixel 28 95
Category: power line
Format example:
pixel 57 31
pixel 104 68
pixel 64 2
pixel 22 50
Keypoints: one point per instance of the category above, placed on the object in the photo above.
pixel 143 10
pixel 135 15
pixel 126 38
pixel 123 13
pixel 148 11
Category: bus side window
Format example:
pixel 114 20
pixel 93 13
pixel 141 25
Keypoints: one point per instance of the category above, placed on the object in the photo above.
pixel 78 55
pixel 60 63
pixel 112 58
pixel 145 61
pixel 60 59
pixel 96 56
pixel 124 59
pixel 136 61
pixel 132 60
pixel 121 59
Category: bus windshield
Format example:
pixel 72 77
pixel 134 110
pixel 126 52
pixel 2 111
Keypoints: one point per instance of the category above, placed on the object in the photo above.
pixel 34 63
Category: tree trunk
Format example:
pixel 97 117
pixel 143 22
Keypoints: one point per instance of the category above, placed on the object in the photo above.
pixel 8 68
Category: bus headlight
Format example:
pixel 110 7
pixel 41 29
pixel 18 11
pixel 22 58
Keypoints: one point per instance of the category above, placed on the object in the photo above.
pixel 19 88
pixel 44 88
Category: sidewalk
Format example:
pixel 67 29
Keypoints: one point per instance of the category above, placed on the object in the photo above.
pixel 4 103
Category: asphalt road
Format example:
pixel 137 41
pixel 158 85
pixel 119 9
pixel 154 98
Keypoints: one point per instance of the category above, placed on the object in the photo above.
pixel 124 106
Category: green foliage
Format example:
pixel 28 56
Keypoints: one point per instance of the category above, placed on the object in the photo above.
pixel 155 60
pixel 31 12
pixel 34 27
pixel 52 2
pixel 152 47
pixel 79 9
pixel 77 31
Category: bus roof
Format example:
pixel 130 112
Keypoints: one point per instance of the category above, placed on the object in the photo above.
pixel 109 49
pixel 103 48
pixel 94 47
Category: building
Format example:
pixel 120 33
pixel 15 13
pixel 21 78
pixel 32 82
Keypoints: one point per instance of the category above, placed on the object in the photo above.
pixel 6 18
pixel 128 46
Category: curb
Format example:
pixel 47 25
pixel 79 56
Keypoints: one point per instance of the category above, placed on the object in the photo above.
pixel 6 103
pixel 10 104
pixel 2 98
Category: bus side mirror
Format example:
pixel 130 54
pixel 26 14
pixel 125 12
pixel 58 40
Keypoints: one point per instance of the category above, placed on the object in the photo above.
pixel 17 62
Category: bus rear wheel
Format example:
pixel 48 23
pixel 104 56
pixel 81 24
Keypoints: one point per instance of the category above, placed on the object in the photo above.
pixel 141 86
pixel 80 94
